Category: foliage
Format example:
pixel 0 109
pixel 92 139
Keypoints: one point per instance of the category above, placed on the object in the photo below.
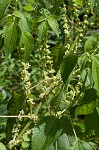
pixel 49 75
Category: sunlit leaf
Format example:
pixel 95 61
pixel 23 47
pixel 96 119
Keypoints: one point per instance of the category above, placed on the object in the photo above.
pixel 10 39
pixel 28 7
pixel 28 42
pixel 2 147
pixel 42 30
pixel 54 25
pixel 88 103
pixel 23 24
pixel 90 43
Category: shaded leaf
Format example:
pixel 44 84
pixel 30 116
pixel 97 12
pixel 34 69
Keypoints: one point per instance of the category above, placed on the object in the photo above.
pixel 14 106
pixel 55 102
pixel 56 6
pixel 88 103
pixel 69 62
pixel 3 5
pixel 92 122
pixel 57 52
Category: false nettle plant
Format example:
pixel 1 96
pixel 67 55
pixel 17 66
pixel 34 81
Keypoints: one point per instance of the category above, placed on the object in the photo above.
pixel 49 75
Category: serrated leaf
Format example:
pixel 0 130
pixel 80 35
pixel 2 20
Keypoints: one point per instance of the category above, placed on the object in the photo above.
pixel 10 39
pixel 42 30
pixel 41 132
pixel 3 5
pixel 54 25
pixel 28 42
pixel 45 12
pixel 14 106
pixel 88 103
pixel 95 70
pixel 69 62
pixel 49 131
pixel 90 43
pixel 62 143
pixel 82 145
pixel 17 14
pixel 42 18
pixel 23 24
pixel 2 147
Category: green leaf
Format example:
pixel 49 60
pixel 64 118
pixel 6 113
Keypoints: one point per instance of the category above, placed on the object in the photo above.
pixel 88 103
pixel 43 135
pixel 42 30
pixel 28 42
pixel 28 7
pixel 56 6
pixel 2 147
pixel 51 130
pixel 57 52
pixel 95 70
pixel 45 12
pixel 82 145
pixel 10 39
pixel 62 143
pixel 92 122
pixel 17 14
pixel 54 25
pixel 79 2
pixel 56 101
pixel 23 24
pixel 90 43
pixel 3 5
pixel 69 62
pixel 14 106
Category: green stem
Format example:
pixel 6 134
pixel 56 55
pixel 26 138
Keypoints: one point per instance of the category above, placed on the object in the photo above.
pixel 29 123
pixel 38 108
pixel 30 109
pixel 73 129
pixel 24 129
